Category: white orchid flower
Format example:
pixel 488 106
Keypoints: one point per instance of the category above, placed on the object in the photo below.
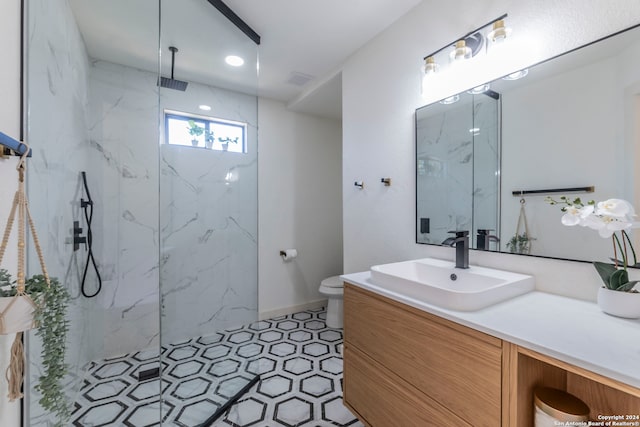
pixel 616 208
pixel 605 225
pixel 575 216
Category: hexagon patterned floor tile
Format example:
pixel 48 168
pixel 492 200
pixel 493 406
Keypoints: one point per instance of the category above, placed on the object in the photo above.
pixel 297 357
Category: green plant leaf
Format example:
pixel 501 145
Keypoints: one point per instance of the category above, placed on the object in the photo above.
pixel 627 287
pixel 605 271
pixel 618 279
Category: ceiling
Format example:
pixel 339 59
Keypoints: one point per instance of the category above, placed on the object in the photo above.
pixel 304 39
pixel 313 38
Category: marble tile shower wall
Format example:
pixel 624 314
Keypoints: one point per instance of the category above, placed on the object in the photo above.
pixel 58 72
pixel 123 176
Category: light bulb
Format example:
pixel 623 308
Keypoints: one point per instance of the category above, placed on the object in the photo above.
pixel 499 32
pixel 460 52
pixel 430 65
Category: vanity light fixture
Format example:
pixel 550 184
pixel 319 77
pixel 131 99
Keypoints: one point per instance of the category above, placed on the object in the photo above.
pixel 499 32
pixel 450 100
pixel 466 47
pixel 479 89
pixel 234 60
pixel 517 75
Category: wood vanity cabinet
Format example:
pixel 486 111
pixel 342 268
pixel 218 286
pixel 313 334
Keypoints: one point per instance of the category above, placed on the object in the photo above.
pixel 404 367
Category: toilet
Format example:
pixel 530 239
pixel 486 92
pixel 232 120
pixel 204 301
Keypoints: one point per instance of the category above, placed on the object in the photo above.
pixel 332 289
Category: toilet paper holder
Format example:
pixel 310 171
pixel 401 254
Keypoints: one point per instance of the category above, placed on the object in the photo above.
pixel 288 254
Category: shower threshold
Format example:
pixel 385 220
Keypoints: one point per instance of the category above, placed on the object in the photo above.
pixel 223 409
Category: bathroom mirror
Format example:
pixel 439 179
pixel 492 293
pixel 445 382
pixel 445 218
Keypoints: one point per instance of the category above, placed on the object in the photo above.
pixel 571 121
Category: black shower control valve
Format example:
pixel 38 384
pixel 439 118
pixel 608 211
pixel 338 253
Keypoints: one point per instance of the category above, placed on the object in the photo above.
pixel 77 236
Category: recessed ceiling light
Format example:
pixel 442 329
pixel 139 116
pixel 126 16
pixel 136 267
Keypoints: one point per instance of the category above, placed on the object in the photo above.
pixel 479 89
pixel 450 100
pixel 234 61
pixel 517 75
pixel 204 107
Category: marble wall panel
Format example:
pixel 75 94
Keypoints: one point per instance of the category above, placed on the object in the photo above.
pixel 124 176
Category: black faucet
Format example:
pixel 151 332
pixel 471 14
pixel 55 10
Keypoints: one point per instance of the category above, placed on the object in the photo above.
pixel 449 241
pixel 462 248
pixel 77 236
pixel 484 238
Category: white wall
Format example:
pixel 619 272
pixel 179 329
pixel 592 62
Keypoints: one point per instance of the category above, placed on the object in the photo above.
pixel 381 89
pixel 300 205
pixel 9 124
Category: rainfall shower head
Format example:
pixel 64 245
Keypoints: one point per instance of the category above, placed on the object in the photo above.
pixel 171 83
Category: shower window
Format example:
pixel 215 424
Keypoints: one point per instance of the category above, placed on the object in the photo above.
pixel 215 133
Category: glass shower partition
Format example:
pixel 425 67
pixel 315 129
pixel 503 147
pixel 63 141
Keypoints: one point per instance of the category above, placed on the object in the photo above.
pixel 174 223
pixel 208 213
pixel 92 106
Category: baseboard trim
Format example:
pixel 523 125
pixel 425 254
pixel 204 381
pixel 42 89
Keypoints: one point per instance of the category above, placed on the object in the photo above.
pixel 265 315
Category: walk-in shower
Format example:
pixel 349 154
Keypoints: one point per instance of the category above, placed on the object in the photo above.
pixel 173 178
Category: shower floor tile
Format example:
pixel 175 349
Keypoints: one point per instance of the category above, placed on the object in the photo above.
pixel 297 357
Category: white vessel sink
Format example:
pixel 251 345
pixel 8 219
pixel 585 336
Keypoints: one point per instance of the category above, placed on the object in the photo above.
pixel 439 283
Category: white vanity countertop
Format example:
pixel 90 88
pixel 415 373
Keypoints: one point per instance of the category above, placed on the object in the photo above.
pixel 571 330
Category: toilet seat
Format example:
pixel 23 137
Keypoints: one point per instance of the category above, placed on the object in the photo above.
pixel 332 282
pixel 331 291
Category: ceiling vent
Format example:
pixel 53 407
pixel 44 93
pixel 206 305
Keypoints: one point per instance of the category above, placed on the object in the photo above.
pixel 299 79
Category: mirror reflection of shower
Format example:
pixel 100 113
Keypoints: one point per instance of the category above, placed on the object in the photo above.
pixel 458 150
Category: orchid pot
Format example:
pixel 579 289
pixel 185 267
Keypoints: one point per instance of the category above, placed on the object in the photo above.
pixel 619 304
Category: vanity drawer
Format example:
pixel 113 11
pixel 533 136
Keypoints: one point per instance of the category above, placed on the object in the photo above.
pixel 458 367
pixel 382 399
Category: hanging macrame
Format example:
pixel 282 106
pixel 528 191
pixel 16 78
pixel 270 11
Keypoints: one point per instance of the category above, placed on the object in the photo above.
pixel 17 312
pixel 520 243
